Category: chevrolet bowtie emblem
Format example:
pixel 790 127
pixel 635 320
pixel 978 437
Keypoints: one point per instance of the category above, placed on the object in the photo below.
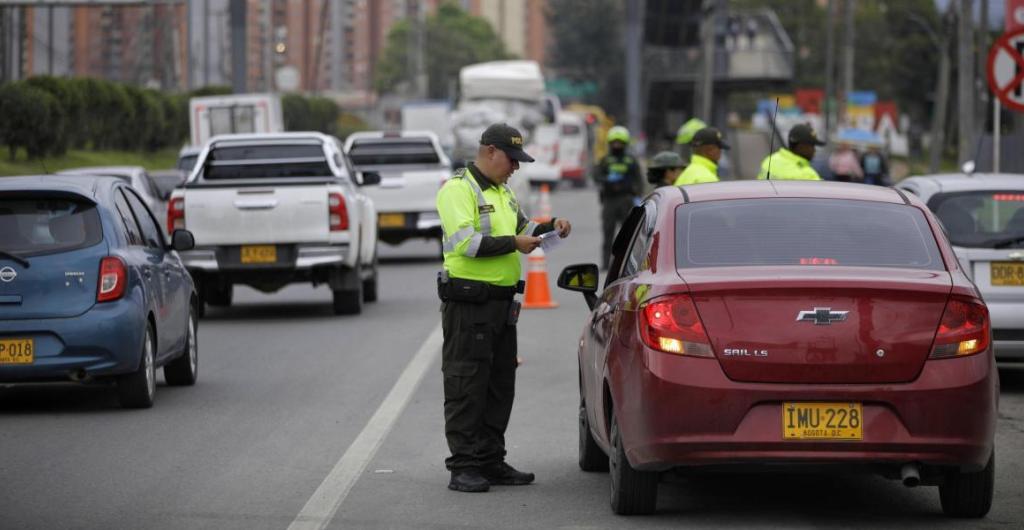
pixel 821 316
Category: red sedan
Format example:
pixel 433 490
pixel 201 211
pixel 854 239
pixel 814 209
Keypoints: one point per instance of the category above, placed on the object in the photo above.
pixel 807 324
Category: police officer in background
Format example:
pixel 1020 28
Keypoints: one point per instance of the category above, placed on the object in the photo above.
pixel 483 228
pixel 664 168
pixel 707 147
pixel 618 178
pixel 793 163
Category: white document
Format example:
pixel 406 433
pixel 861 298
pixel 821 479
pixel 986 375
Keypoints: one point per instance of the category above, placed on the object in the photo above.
pixel 550 240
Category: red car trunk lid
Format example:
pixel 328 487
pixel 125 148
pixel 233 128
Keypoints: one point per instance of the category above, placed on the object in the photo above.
pixel 820 324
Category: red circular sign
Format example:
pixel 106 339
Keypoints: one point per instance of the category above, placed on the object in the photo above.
pixel 1006 69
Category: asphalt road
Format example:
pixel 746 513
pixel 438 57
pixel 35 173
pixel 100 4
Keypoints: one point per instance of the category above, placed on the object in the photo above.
pixel 294 403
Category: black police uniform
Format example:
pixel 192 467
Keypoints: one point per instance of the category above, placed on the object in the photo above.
pixel 619 179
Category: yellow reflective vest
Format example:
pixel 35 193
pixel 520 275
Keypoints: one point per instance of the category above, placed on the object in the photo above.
pixel 787 165
pixel 700 170
pixel 471 208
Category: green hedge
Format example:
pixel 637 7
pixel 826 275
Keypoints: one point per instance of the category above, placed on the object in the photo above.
pixel 48 115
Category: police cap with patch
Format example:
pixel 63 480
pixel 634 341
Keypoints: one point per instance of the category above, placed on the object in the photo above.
pixel 506 138
pixel 708 136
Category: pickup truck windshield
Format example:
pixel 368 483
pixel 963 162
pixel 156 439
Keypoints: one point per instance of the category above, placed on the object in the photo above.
pixel 266 161
pixel 399 151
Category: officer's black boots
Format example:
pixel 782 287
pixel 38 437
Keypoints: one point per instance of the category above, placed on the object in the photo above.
pixel 505 475
pixel 470 480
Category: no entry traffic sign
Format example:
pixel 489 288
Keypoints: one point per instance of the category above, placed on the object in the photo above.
pixel 1006 69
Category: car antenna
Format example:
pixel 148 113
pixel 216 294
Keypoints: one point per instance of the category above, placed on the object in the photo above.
pixel 43 163
pixel 771 141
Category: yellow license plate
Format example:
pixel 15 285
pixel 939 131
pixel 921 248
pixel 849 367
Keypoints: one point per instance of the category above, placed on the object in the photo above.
pixel 822 421
pixel 259 254
pixel 1007 273
pixel 17 351
pixel 392 220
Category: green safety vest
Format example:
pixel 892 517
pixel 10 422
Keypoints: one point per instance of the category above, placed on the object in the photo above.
pixel 700 170
pixel 468 213
pixel 787 165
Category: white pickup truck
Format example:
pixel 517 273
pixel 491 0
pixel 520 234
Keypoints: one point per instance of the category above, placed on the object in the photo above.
pixel 267 210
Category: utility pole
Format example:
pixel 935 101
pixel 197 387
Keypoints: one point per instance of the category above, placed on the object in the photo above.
pixel 941 103
pixel 237 23
pixel 268 46
pixel 709 12
pixel 966 101
pixel 830 51
pixel 848 57
pixel 206 42
pixel 634 57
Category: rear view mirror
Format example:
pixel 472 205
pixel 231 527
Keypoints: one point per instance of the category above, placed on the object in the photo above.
pixel 581 278
pixel 182 240
pixel 370 178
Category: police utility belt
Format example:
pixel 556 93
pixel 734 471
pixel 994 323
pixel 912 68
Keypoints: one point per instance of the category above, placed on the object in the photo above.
pixel 475 292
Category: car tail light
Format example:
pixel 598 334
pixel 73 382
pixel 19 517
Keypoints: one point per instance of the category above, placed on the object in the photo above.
pixel 554 155
pixel 113 278
pixel 175 214
pixel 965 329
pixel 672 325
pixel 337 212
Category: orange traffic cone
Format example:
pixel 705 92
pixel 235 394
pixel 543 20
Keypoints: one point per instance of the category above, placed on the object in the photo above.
pixel 538 296
pixel 544 205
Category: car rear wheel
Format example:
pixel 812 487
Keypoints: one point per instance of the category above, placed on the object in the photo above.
pixel 184 370
pixel 632 492
pixel 136 390
pixel 592 458
pixel 349 301
pixel 969 495
pixel 370 284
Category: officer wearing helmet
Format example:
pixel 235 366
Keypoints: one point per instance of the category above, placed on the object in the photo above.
pixel 618 179
pixel 664 168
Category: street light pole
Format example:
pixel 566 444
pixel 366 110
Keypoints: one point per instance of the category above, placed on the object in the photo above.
pixel 965 83
pixel 830 48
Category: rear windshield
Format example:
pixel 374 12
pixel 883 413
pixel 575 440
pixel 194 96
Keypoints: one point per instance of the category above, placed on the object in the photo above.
pixel 982 219
pixel 804 232
pixel 187 162
pixel 31 225
pixel 406 151
pixel 266 161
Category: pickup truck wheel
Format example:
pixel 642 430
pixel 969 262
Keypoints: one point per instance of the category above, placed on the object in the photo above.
pixel 370 284
pixel 348 302
pixel 218 296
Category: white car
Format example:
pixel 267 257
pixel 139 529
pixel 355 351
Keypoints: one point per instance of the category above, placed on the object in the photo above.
pixel 412 166
pixel 268 210
pixel 136 176
pixel 983 216
pixel 573 148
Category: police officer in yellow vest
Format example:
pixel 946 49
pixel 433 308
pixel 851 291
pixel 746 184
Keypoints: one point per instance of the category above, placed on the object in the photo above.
pixel 793 163
pixel 707 147
pixel 483 228
pixel 618 178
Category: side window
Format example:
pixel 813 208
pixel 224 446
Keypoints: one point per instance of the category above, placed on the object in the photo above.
pixel 150 230
pixel 636 258
pixel 620 246
pixel 131 228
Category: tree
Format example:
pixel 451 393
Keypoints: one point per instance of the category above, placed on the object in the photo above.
pixel 586 45
pixel 29 114
pixel 454 39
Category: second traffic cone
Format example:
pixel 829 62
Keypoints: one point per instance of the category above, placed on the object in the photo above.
pixel 538 296
pixel 544 205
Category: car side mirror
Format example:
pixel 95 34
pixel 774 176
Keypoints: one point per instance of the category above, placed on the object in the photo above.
pixel 582 278
pixel 370 178
pixel 182 240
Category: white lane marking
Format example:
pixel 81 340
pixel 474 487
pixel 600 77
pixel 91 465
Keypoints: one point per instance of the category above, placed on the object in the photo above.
pixel 321 507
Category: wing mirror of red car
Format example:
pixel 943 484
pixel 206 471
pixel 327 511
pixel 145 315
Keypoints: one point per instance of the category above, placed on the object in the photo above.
pixel 583 278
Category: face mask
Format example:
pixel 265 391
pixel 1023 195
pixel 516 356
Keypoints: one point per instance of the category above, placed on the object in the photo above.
pixel 618 151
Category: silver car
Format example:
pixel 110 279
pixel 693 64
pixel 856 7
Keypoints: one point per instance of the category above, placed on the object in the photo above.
pixel 983 215
pixel 136 176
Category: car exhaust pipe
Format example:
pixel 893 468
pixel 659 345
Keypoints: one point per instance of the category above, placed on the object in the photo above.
pixel 910 475
pixel 79 376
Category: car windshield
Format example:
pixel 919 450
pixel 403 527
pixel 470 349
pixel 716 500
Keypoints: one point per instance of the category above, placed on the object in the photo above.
pixel 187 162
pixel 804 232
pixel 982 219
pixel 403 151
pixel 42 225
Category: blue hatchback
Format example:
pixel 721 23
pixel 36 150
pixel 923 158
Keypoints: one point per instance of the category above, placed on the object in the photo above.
pixel 90 290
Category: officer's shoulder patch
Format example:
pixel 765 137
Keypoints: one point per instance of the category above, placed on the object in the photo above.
pixel 459 173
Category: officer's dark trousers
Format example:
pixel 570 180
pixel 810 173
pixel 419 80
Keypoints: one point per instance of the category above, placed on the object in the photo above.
pixel 614 210
pixel 479 365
